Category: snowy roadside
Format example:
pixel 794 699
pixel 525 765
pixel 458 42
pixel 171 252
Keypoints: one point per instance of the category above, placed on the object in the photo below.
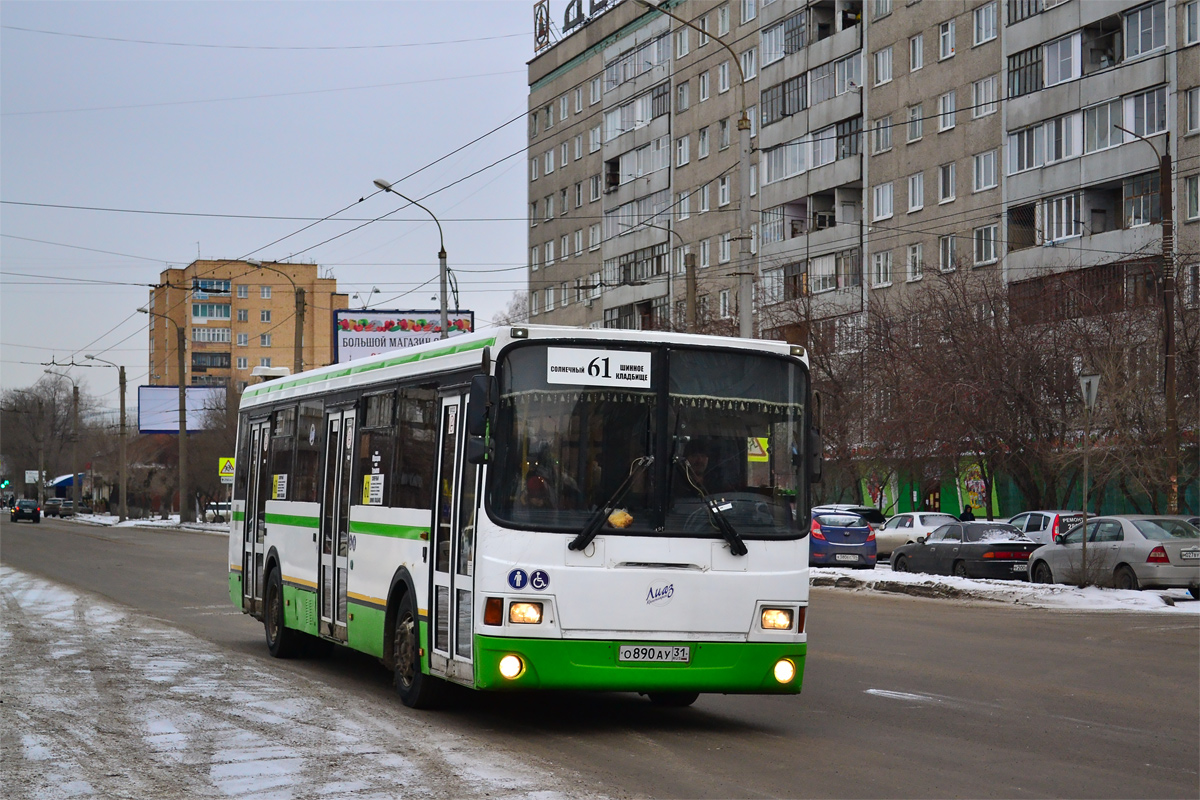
pixel 881 579
pixel 102 701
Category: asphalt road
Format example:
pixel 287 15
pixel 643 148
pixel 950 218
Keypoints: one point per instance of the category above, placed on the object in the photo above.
pixel 904 697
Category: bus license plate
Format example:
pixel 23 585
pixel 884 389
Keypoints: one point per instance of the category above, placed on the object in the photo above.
pixel 638 652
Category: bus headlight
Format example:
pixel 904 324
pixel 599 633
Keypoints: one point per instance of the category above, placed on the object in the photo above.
pixel 525 613
pixel 785 670
pixel 777 619
pixel 511 666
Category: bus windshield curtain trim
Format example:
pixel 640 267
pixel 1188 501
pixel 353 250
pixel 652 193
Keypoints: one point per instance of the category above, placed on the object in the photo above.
pixel 531 396
pixel 279 385
pixel 736 404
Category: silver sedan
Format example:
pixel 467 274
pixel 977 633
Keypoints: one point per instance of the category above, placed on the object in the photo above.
pixel 1126 551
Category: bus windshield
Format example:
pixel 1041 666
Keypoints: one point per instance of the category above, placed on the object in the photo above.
pixel 676 435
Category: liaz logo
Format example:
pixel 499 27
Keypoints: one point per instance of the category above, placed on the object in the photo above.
pixel 660 595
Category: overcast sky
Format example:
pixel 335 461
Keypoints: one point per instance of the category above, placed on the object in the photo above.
pixel 140 136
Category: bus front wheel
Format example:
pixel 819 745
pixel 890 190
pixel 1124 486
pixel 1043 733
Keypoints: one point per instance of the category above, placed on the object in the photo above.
pixel 416 689
pixel 282 641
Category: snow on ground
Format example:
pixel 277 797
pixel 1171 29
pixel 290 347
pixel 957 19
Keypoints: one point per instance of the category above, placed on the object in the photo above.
pixel 100 701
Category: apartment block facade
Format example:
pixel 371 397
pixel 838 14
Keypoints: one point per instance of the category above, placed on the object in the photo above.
pixel 238 316
pixel 890 139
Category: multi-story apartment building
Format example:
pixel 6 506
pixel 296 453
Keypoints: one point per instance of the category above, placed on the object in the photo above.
pixel 238 316
pixel 1017 137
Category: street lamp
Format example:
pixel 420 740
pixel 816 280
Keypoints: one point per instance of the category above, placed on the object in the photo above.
pixel 1089 385
pixel 298 345
pixel 124 460
pixel 75 489
pixel 388 187
pixel 746 274
pixel 1168 278
pixel 185 506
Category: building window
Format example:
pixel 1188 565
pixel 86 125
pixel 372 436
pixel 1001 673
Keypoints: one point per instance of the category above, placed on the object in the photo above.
pixel 946 40
pixel 564 246
pixel 847 73
pixel 704 199
pixel 265 361
pixel 565 154
pixel 684 205
pixel 1146 29
pixel 822 272
pixel 702 143
pixel 682 96
pixel 594 236
pixel 916 191
pixel 946 111
pixel 985 171
pixel 1062 138
pixel 882 201
pixel 881 135
pixel 550 299
pixel 243 362
pixel 535 253
pixel 882 8
pixel 702 83
pixel 264 340
pixel 265 292
pixel 985 244
pixel 1148 111
pixel 723 134
pixel 579 195
pixel 723 191
pixel 1062 217
pixel 534 303
pixel 1025 72
pixel 723 77
pixel 579 242
pixel 682 42
pixel 985 23
pixel 749 10
pixel 1193 108
pixel 916 52
pixel 916 265
pixel 984 97
pixel 702 37
pixel 704 252
pixel 264 315
pixel 1142 200
pixel 1100 129
pixel 724 248
pixel 750 65
pixel 771 286
pixel 243 340
pixel 548 162
pixel 1191 190
pixel 849 137
pixel 562 107
pixel 206 311
pixel 578 146
pixel 548 202
pixel 207 334
pixel 916 122
pixel 243 292
pixel 881 272
pixel 594 187
pixel 1191 23
pixel 883 66
pixel 1025 149
pixel 946 255
pixel 946 182
pixel 784 99
pixel 683 150
pixel 243 315
pixel 1062 60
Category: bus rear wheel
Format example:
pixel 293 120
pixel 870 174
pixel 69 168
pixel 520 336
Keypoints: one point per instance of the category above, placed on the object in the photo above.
pixel 416 689
pixel 673 699
pixel 282 641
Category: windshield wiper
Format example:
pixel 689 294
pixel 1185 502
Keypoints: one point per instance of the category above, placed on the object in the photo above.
pixel 715 509
pixel 593 526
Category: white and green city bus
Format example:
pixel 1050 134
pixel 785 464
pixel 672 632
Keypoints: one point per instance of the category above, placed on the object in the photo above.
pixel 536 508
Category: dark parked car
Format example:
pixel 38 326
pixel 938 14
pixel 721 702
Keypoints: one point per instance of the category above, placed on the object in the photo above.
pixel 53 504
pixel 968 550
pixel 838 539
pixel 27 509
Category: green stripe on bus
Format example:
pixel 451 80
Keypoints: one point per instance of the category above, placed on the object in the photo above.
pixel 239 516
pixel 385 529
pixel 292 519
pixel 730 667
pixel 279 385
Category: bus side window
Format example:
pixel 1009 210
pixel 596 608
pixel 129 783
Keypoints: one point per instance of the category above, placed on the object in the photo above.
pixel 283 445
pixel 243 458
pixel 310 435
pixel 417 419
pixel 376 446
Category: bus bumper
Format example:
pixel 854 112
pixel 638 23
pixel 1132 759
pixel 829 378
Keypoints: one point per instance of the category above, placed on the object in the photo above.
pixel 721 667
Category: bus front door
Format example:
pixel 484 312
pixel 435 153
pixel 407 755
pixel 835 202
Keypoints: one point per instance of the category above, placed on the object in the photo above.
pixel 254 523
pixel 335 521
pixel 453 550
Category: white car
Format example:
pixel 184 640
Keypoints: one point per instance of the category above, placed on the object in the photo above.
pixel 908 527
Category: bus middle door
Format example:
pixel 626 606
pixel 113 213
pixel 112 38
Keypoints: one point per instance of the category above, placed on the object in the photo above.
pixel 335 521
pixel 452 612
pixel 254 522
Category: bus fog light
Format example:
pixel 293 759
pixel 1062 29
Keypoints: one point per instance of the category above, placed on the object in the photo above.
pixel 511 666
pixel 777 619
pixel 785 670
pixel 525 613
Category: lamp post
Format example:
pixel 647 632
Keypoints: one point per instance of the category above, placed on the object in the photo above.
pixel 442 270
pixel 298 344
pixel 1168 279
pixel 124 460
pixel 185 506
pixel 75 488
pixel 1089 385
pixel 747 271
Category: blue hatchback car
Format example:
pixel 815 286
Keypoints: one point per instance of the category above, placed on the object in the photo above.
pixel 841 540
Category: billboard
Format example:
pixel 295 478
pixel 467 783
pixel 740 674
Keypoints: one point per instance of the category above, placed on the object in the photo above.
pixel 158 407
pixel 358 333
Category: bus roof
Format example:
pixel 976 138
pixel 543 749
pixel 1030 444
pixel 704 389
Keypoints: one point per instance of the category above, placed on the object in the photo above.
pixel 463 351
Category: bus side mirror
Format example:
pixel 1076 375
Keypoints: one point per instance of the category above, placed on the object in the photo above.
pixel 479 412
pixel 816 455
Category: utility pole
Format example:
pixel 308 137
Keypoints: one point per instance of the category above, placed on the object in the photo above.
pixel 75 487
pixel 689 267
pixel 124 458
pixel 298 359
pixel 185 506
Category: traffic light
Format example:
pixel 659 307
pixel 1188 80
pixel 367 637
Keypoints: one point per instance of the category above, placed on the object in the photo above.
pixel 4 485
